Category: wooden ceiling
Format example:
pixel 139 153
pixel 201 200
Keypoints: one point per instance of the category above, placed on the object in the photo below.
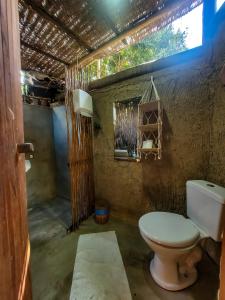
pixel 55 33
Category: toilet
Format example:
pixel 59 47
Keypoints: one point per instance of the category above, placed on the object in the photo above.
pixel 175 239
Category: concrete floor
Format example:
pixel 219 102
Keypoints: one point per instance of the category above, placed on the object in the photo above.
pixel 53 254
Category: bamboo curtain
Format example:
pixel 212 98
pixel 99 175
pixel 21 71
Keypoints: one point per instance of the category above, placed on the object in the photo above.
pixel 79 132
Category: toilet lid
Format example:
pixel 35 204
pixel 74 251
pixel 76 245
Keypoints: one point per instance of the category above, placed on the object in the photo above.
pixel 168 229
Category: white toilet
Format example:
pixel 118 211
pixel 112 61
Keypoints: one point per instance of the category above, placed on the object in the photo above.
pixel 174 238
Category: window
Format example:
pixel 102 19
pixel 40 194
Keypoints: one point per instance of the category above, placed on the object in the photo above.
pixel 193 30
pixel 125 114
pixel 179 36
pixel 219 3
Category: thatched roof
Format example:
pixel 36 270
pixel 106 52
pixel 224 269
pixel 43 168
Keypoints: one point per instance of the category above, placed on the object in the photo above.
pixel 57 33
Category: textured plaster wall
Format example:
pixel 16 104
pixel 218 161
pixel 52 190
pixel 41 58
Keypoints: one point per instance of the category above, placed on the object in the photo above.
pixel 217 94
pixel 133 188
pixel 193 142
pixel 41 183
pixel 216 171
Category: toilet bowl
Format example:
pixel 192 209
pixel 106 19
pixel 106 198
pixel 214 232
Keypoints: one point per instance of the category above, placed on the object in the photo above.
pixel 175 239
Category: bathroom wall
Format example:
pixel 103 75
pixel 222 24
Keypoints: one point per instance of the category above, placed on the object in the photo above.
pixel 193 147
pixel 217 93
pixel 133 188
pixel 38 127
pixel 216 171
pixel 61 151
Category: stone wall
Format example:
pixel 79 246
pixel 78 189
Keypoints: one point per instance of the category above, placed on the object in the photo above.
pixel 193 147
pixel 38 129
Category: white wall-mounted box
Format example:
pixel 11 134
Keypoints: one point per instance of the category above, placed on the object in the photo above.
pixel 82 102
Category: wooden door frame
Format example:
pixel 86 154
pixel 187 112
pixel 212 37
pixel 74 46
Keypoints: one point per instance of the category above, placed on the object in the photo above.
pixel 15 283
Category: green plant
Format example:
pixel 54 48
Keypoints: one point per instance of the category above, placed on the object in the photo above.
pixel 158 44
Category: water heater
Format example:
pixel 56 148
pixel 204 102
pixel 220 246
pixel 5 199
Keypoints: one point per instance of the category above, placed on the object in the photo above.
pixel 82 102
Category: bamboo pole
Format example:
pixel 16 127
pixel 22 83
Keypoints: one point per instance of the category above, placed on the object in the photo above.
pixel 79 132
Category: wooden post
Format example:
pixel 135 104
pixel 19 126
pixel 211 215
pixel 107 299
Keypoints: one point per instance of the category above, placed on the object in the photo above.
pixel 14 242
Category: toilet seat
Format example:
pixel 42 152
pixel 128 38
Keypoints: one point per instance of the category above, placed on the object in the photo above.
pixel 169 229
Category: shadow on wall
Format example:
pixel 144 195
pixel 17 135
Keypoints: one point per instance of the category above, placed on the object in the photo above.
pixel 184 95
pixel 61 151
pixel 41 184
pixel 160 194
pixel 49 174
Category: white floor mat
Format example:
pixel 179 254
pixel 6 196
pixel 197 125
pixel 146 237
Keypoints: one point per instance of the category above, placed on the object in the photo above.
pixel 99 273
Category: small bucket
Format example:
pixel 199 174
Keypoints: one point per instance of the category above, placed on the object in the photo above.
pixel 101 214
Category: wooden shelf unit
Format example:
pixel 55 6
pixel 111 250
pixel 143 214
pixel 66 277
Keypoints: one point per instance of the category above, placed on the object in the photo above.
pixel 149 106
pixel 148 127
pixel 147 150
pixel 150 123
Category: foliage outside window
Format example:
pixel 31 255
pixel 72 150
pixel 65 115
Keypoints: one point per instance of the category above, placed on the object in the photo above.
pixel 162 43
pixel 179 36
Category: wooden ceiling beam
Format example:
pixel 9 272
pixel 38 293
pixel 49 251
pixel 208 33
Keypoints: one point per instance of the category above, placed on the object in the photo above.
pixel 42 12
pixel 40 51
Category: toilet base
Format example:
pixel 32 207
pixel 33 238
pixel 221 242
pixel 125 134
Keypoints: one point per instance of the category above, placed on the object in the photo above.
pixel 168 277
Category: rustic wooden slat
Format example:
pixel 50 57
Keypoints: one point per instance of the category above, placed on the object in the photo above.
pixel 42 12
pixel 14 257
pixel 38 50
pixel 79 133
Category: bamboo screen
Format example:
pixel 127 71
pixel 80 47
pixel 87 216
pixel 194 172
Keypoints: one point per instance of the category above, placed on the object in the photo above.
pixel 79 132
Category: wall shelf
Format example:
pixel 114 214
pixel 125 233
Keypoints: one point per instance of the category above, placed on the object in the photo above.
pixel 149 106
pixel 148 150
pixel 150 123
pixel 148 127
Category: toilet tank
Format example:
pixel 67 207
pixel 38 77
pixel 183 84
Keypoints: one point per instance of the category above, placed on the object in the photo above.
pixel 205 206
